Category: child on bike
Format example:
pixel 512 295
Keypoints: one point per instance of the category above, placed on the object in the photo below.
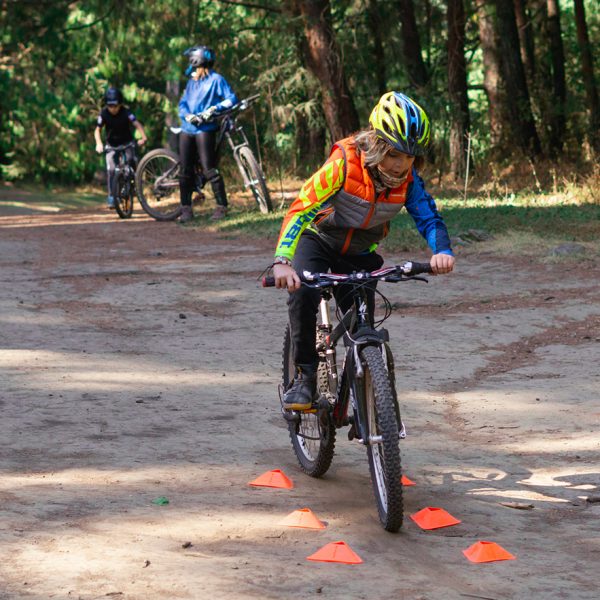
pixel 206 94
pixel 118 121
pixel 341 214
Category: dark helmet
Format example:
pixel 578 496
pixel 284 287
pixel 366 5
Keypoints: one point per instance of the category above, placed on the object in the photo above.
pixel 113 96
pixel 200 56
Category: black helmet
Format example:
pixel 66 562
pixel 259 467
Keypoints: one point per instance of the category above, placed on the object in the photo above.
pixel 113 96
pixel 200 56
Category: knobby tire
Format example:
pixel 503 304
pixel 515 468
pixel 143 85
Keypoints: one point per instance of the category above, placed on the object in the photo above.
pixel 252 172
pixel 384 458
pixel 314 456
pixel 123 197
pixel 159 197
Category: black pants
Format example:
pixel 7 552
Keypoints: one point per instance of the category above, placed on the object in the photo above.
pixel 312 254
pixel 192 148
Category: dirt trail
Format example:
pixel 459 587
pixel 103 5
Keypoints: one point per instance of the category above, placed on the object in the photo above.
pixel 141 360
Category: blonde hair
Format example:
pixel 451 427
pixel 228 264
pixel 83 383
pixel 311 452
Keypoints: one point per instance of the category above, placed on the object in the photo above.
pixel 200 73
pixel 374 149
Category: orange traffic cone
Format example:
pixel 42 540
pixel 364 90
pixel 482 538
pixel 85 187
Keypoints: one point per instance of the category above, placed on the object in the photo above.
pixel 336 552
pixel 275 479
pixel 487 552
pixel 406 481
pixel 303 518
pixel 433 518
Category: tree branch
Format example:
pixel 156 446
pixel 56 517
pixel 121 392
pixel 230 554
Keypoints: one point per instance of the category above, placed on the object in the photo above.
pixel 251 5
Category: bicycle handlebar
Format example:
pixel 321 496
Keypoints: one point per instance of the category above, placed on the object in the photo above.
pixel 240 106
pixel 404 272
pixel 109 148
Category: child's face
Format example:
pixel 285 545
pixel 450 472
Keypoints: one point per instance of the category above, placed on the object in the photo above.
pixel 113 109
pixel 396 164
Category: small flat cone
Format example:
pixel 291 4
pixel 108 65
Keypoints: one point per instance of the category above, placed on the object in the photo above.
pixel 336 552
pixel 433 518
pixel 406 481
pixel 303 518
pixel 275 479
pixel 487 552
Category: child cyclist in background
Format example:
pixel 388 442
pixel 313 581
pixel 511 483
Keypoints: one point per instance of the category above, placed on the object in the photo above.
pixel 119 122
pixel 341 214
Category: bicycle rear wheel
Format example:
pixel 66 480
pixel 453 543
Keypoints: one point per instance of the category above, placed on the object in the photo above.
pixel 312 434
pixel 157 183
pixel 383 448
pixel 254 178
pixel 123 195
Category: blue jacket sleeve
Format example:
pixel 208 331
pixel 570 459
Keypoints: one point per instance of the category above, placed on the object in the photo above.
pixel 184 108
pixel 228 95
pixel 421 207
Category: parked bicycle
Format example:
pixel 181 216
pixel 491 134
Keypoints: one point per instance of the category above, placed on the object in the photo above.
pixel 365 381
pixel 123 181
pixel 157 175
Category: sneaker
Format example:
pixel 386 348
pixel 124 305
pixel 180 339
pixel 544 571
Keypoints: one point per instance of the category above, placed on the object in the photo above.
pixel 186 214
pixel 220 213
pixel 303 391
pixel 110 202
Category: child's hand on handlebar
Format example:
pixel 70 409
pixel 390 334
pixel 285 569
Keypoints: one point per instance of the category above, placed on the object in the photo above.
pixel 286 277
pixel 99 148
pixel 441 263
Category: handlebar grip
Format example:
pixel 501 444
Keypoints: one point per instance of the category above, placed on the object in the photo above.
pixel 268 281
pixel 418 268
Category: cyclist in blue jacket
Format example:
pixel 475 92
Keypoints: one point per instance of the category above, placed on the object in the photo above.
pixel 206 94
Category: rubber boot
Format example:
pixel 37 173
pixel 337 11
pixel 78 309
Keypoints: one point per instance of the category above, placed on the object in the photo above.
pixel 303 392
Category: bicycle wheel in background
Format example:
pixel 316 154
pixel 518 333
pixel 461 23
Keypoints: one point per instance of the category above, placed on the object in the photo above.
pixel 253 178
pixel 123 195
pixel 383 450
pixel 157 183
pixel 313 433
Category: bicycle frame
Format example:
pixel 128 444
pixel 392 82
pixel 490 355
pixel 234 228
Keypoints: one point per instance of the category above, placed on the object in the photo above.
pixel 356 330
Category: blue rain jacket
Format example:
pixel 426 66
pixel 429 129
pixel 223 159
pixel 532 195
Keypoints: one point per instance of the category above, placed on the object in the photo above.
pixel 199 95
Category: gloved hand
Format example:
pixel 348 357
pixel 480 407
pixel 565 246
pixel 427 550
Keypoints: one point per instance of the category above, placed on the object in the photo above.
pixel 194 119
pixel 208 113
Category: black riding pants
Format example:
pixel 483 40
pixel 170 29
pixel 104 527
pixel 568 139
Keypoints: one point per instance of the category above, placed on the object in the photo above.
pixel 312 254
pixel 202 147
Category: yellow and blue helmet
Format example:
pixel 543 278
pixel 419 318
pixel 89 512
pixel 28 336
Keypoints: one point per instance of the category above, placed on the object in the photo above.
pixel 402 123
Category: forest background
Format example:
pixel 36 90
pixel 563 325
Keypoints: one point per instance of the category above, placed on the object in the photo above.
pixel 510 85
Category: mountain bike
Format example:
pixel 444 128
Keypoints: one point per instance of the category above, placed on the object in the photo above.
pixel 361 392
pixel 122 185
pixel 157 175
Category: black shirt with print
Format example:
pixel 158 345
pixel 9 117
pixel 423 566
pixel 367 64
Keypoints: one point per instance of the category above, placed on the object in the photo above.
pixel 119 127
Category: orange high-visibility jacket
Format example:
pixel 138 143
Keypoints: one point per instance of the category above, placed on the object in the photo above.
pixel 339 204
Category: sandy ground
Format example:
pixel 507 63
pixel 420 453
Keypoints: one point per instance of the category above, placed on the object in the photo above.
pixel 141 359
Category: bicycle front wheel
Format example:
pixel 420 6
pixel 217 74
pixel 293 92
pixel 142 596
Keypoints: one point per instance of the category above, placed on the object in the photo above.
pixel 254 178
pixel 123 195
pixel 157 183
pixel 312 434
pixel 383 444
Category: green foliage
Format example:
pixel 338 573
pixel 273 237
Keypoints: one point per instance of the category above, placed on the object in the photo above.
pixel 57 58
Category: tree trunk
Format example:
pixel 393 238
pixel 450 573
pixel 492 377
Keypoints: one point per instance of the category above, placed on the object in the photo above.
pixel 557 109
pixel 457 88
pixel 587 70
pixel 171 118
pixel 515 83
pixel 526 39
pixel 323 58
pixel 411 46
pixel 376 29
pixel 491 69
